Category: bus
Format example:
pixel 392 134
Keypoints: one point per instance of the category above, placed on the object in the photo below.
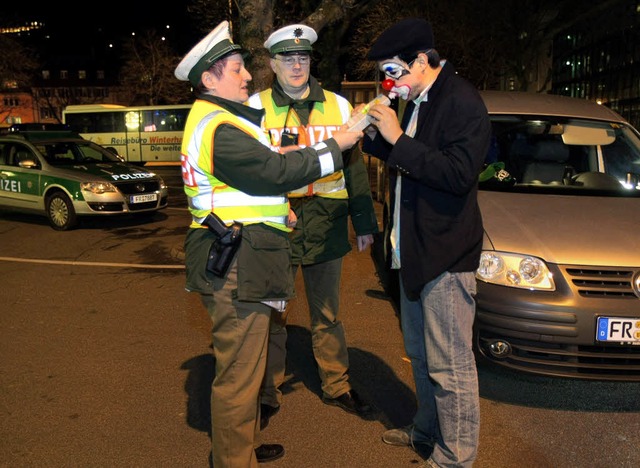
pixel 141 134
pixel 148 134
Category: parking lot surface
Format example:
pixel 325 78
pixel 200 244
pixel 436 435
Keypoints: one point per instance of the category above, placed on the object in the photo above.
pixel 105 361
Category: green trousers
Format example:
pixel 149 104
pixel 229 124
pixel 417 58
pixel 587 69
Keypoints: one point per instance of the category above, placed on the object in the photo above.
pixel 322 287
pixel 240 334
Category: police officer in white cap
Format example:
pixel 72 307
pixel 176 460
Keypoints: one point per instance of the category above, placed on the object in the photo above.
pixel 298 112
pixel 232 177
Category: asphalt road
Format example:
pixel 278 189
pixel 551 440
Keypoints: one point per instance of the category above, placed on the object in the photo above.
pixel 105 362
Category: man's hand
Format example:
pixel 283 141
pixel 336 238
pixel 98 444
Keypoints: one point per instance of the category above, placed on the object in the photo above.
pixel 364 242
pixel 292 220
pixel 386 121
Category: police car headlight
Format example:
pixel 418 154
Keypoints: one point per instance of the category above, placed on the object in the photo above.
pixel 98 187
pixel 516 271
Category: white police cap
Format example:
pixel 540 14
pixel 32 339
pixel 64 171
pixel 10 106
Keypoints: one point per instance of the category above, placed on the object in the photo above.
pixel 293 38
pixel 214 46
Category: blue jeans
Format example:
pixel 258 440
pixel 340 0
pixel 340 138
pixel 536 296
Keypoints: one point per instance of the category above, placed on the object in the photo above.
pixel 437 333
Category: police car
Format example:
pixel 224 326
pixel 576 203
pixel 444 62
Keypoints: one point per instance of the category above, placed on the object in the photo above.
pixel 57 173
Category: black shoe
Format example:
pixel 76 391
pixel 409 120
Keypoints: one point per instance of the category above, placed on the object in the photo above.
pixel 269 452
pixel 351 402
pixel 266 412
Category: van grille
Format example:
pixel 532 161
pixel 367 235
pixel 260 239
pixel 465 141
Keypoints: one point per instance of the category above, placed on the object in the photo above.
pixel 603 283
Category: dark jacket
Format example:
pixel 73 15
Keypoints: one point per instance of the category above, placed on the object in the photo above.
pixel 440 221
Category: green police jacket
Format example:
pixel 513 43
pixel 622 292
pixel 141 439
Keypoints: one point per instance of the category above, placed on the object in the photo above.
pixel 248 165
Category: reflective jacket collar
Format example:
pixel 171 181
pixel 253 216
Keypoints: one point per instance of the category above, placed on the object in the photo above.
pixel 236 108
pixel 281 99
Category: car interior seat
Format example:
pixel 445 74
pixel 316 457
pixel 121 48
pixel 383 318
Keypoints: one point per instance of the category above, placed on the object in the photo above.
pixel 548 164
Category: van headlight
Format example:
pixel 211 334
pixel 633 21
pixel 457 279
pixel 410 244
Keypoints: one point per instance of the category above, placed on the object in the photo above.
pixel 516 271
pixel 97 187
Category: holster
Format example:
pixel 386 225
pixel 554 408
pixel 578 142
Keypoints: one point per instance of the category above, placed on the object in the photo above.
pixel 224 248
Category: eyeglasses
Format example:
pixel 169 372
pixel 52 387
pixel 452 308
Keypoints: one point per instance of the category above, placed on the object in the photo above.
pixel 394 70
pixel 291 60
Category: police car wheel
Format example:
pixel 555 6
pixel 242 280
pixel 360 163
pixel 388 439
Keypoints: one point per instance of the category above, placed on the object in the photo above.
pixel 60 212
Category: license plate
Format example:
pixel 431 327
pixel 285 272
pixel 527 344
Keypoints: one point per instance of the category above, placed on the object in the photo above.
pixel 618 330
pixel 144 198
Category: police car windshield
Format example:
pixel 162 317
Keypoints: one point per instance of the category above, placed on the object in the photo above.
pixel 71 152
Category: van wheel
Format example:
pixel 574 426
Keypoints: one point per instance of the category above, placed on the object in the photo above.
pixel 60 212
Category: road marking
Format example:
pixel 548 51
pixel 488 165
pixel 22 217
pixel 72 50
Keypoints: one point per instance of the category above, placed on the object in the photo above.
pixel 73 263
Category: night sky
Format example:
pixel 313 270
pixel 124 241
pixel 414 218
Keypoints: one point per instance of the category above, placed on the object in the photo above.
pixel 73 22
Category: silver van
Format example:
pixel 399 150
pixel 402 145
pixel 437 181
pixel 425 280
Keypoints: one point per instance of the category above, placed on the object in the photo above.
pixel 559 277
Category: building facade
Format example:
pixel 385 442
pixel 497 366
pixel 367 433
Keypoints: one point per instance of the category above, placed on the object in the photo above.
pixel 86 76
pixel 602 63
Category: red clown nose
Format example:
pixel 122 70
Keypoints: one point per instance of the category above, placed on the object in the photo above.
pixel 388 84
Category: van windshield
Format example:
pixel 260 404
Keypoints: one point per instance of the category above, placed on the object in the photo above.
pixel 542 154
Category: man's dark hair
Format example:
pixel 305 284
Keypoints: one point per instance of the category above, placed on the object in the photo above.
pixel 433 57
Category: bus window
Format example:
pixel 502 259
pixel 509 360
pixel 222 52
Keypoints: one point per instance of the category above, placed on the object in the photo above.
pixel 139 134
pixel 103 122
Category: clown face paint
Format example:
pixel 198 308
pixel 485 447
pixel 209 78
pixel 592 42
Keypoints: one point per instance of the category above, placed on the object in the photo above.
pixel 394 91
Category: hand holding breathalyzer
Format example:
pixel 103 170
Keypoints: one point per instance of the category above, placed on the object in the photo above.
pixel 384 118
pixel 386 121
pixel 360 118
pixel 346 138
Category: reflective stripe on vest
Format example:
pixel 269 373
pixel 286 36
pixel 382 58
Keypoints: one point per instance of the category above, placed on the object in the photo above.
pixel 324 118
pixel 205 192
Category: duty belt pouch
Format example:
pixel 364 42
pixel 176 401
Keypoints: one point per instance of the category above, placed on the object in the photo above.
pixel 224 247
pixel 264 265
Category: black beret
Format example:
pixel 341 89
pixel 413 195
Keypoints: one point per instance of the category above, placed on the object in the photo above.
pixel 406 37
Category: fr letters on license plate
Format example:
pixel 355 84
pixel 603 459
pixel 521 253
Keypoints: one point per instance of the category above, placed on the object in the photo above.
pixel 618 330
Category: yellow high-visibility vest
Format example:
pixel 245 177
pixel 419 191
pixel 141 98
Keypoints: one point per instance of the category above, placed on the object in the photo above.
pixel 324 118
pixel 206 193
